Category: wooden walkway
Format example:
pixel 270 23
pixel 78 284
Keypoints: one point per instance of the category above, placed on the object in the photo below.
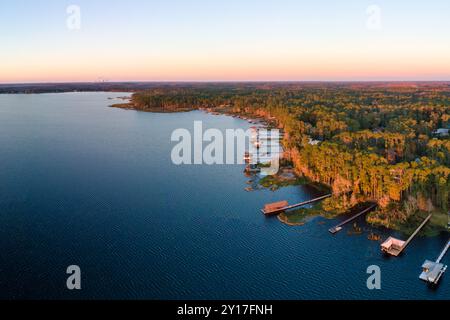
pixel 416 232
pixel 338 228
pixel 442 255
pixel 290 207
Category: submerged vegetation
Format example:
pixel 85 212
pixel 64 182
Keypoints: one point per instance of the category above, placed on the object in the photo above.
pixel 298 217
pixel 377 142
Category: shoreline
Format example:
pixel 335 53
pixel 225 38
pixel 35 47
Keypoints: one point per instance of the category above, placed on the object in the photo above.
pixel 272 122
pixel 132 106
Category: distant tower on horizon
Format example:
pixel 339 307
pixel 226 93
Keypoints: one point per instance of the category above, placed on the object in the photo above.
pixel 102 80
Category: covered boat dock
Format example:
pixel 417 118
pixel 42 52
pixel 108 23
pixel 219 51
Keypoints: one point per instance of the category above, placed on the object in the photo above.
pixel 433 271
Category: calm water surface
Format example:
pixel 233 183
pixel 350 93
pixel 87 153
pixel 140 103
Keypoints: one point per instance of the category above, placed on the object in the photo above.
pixel 85 184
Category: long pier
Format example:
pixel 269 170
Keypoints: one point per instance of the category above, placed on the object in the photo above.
pixel 417 231
pixel 442 255
pixel 395 246
pixel 268 210
pixel 338 228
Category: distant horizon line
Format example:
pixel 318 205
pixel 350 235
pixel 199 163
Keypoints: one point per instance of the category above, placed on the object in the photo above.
pixel 222 81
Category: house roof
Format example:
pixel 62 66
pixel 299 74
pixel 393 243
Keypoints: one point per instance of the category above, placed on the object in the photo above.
pixel 428 264
pixel 434 271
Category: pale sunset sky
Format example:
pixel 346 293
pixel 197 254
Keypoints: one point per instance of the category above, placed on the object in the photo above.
pixel 229 40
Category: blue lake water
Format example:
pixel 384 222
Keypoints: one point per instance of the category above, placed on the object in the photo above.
pixel 84 184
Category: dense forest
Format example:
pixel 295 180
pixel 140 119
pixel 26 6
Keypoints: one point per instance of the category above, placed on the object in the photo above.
pixel 378 141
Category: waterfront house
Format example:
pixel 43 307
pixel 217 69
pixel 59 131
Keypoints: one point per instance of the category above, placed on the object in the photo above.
pixel 313 142
pixel 442 132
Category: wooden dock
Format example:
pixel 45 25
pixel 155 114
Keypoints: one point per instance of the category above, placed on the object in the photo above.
pixel 275 208
pixel 432 272
pixel 395 247
pixel 417 231
pixel 338 228
pixel 442 255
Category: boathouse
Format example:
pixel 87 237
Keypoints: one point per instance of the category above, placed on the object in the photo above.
pixel 432 271
pixel 393 246
pixel 274 207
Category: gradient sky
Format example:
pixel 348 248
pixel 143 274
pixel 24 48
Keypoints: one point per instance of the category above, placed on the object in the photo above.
pixel 204 40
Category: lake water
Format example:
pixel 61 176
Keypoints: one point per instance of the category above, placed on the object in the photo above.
pixel 84 184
